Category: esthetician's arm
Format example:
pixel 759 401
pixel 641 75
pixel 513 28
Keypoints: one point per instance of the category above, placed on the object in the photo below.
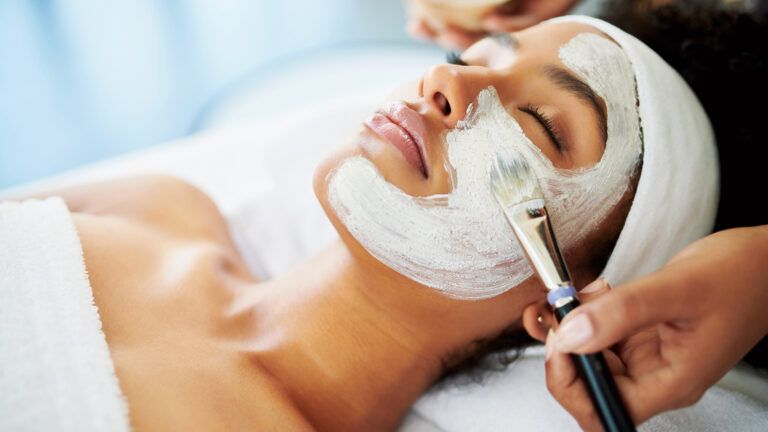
pixel 511 16
pixel 672 334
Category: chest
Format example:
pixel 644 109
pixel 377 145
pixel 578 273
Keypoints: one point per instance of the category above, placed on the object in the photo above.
pixel 163 302
pixel 149 284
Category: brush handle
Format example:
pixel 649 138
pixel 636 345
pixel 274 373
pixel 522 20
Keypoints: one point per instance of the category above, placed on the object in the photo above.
pixel 602 389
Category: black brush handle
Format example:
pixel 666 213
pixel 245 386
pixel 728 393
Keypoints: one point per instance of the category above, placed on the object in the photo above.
pixel 602 389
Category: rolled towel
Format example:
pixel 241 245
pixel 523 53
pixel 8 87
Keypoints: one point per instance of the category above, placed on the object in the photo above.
pixel 56 372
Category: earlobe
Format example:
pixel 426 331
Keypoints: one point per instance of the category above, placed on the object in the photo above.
pixel 531 313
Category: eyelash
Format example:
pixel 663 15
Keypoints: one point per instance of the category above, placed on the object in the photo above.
pixel 546 123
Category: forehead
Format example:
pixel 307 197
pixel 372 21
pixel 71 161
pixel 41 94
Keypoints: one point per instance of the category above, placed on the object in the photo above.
pixel 549 37
pixel 538 45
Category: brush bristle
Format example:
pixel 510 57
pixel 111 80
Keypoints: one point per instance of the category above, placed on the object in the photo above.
pixel 512 180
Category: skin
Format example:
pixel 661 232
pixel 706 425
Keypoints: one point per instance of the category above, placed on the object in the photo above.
pixel 199 343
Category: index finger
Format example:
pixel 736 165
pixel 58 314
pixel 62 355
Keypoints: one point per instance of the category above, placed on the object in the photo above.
pixel 660 297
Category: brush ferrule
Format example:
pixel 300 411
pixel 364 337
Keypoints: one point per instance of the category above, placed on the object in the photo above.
pixel 562 295
pixel 533 229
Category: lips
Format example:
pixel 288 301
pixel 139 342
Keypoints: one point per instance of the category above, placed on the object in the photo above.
pixel 403 128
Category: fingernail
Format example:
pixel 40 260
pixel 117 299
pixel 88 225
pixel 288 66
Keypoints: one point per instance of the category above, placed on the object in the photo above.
pixel 575 333
pixel 595 286
pixel 549 345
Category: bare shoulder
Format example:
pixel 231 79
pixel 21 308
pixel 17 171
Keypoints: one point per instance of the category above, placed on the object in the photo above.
pixel 169 202
pixel 139 196
pixel 160 201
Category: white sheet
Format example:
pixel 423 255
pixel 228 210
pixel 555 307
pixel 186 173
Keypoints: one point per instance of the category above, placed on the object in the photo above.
pixel 518 400
pixel 260 175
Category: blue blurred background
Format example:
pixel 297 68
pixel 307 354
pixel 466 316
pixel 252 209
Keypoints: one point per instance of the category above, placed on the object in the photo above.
pixel 83 80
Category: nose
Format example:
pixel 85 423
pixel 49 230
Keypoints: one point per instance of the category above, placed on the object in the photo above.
pixel 450 89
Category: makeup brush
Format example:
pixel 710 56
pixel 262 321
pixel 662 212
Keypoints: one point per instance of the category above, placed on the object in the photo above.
pixel 517 190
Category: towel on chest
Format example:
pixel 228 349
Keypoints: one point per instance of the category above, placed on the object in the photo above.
pixel 56 372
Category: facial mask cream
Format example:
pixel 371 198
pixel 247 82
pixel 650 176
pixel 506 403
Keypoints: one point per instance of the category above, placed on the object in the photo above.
pixel 459 243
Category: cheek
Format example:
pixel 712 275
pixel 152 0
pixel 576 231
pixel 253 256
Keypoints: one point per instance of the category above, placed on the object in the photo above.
pixel 458 243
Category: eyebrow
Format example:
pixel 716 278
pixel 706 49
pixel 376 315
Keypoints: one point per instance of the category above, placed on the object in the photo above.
pixel 566 81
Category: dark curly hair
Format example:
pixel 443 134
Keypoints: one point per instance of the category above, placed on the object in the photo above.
pixel 721 50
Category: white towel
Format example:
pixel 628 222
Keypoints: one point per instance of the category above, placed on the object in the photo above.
pixel 679 187
pixel 56 373
pixel 518 400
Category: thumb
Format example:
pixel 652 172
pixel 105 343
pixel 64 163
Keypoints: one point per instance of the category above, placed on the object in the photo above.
pixel 622 312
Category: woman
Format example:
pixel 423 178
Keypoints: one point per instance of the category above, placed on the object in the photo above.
pixel 348 341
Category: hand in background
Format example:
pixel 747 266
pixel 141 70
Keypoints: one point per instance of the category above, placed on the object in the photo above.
pixel 511 16
pixel 671 335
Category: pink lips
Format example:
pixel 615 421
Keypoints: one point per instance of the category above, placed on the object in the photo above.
pixel 403 128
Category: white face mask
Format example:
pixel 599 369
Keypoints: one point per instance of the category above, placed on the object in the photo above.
pixel 459 243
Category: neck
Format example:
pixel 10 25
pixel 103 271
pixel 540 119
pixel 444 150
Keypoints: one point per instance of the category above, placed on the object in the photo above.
pixel 348 346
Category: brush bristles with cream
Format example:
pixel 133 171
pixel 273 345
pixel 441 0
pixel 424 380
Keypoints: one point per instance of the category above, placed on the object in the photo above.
pixel 513 182
pixel 517 190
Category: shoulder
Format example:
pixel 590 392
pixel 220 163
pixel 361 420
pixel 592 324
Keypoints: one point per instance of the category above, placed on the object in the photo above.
pixel 153 196
pixel 159 201
pixel 152 189
pixel 171 204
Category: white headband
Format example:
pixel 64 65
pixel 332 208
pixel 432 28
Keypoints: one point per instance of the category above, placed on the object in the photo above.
pixel 678 190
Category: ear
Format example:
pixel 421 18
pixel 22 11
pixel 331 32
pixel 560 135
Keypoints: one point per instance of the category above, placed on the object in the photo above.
pixel 531 313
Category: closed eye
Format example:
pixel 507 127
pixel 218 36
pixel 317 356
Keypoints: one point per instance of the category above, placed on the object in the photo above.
pixel 454 58
pixel 546 124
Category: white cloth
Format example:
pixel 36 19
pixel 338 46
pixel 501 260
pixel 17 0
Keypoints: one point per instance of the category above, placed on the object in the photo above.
pixel 678 191
pixel 518 400
pixel 56 373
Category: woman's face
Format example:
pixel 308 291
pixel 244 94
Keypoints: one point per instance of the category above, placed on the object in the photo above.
pixel 556 110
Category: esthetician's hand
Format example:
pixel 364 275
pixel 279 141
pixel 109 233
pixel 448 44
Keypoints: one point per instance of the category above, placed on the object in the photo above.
pixel 671 335
pixel 511 16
